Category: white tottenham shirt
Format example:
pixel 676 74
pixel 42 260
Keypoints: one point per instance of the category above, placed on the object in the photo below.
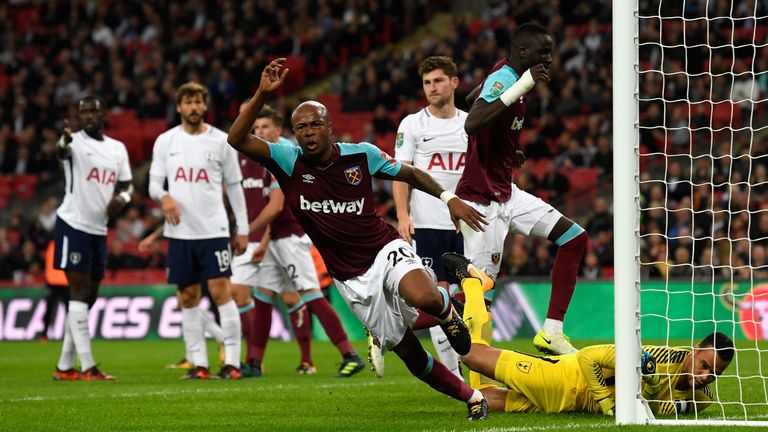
pixel 196 166
pixel 437 146
pixel 91 173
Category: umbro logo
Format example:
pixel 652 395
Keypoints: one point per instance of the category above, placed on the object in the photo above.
pixel 308 178
pixel 428 138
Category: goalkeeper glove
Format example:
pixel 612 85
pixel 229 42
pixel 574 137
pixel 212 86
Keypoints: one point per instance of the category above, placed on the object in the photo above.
pixel 607 405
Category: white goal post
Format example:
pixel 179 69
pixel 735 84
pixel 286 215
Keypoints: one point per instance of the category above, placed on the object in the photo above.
pixel 745 383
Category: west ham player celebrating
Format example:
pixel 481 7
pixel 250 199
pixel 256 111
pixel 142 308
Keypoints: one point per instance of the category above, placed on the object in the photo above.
pixel 195 160
pixel 328 187
pixel 493 124
pixel 434 140
pixel 98 185
pixel 288 269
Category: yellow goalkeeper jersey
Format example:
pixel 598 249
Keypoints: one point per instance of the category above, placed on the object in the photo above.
pixel 575 382
pixel 597 364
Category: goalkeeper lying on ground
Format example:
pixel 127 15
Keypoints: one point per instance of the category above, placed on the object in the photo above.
pixel 582 381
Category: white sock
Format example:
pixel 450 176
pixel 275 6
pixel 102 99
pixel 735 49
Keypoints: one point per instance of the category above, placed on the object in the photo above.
pixel 67 358
pixel 445 352
pixel 476 395
pixel 77 320
pixel 210 326
pixel 553 327
pixel 231 327
pixel 192 328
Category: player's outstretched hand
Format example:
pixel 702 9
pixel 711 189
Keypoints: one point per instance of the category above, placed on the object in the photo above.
pixel 461 211
pixel 115 205
pixel 406 229
pixel 170 210
pixel 272 78
pixel 540 73
pixel 241 244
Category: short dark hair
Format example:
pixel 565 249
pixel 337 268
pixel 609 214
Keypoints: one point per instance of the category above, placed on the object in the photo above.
pixel 270 113
pixel 191 88
pixel 94 98
pixel 525 32
pixel 438 62
pixel 722 344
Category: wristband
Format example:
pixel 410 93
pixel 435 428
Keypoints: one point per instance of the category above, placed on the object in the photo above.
pixel 447 196
pixel 125 196
pixel 518 89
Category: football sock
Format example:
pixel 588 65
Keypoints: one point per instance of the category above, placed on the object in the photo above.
pixel 67 358
pixel 210 326
pixel 194 339
pixel 445 352
pixel 299 315
pixel 441 379
pixel 263 312
pixel 424 320
pixel 475 313
pixel 552 326
pixel 329 319
pixel 77 320
pixel 230 326
pixel 565 271
pixel 248 324
pixel 445 313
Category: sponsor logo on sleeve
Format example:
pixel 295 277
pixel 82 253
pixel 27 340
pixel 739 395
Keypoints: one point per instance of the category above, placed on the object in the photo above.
pixel 400 140
pixel 496 89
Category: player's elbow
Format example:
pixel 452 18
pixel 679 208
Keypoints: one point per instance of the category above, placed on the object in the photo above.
pixel 471 125
pixel 235 142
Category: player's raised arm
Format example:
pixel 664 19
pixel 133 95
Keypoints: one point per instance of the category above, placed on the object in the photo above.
pixel 239 136
pixel 459 210
pixel 498 93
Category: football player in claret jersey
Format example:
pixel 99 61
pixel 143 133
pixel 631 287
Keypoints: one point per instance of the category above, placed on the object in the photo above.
pixel 98 186
pixel 434 140
pixel 493 124
pixel 288 269
pixel 675 380
pixel 328 187
pixel 195 160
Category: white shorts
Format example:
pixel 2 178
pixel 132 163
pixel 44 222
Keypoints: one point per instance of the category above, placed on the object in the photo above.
pixel 245 271
pixel 521 214
pixel 374 296
pixel 288 265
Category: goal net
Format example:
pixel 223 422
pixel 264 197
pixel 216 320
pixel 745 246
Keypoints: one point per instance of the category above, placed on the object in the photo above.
pixel 691 197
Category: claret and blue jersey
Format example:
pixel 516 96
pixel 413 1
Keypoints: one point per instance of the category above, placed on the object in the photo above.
pixel 334 202
pixel 491 152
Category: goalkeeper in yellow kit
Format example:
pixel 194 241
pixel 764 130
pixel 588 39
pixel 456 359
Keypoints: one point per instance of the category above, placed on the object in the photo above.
pixel 675 380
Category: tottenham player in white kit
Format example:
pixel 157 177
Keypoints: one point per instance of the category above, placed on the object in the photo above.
pixel 98 185
pixel 195 160
pixel 434 140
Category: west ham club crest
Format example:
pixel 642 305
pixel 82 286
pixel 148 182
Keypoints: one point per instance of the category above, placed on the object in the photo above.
pixel 354 175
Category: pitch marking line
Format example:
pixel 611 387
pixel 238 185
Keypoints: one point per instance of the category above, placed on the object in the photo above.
pixel 198 390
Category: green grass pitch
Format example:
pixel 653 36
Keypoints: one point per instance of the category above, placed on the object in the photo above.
pixel 148 397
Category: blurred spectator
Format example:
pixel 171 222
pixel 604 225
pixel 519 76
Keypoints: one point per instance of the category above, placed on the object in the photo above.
pixel 118 258
pixel 553 182
pixel 382 122
pixel 601 219
pixel 28 259
pixel 590 268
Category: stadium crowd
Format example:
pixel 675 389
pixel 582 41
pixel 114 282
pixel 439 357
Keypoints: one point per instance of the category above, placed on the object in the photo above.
pixel 136 54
